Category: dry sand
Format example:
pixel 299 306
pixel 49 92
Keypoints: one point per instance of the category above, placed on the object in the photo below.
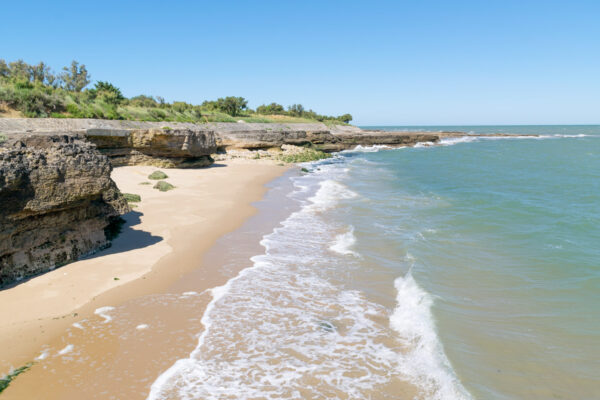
pixel 164 238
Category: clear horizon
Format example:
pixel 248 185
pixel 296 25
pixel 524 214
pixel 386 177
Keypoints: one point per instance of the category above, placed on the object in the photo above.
pixel 386 63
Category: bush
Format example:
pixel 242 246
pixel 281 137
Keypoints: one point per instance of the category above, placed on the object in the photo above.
pixel 132 198
pixel 163 186
pixel 143 101
pixel 33 102
pixel 156 175
pixel 305 156
pixel 157 114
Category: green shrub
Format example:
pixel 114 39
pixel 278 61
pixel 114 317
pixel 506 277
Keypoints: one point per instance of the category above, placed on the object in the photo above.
pixel 163 186
pixel 305 156
pixel 156 175
pixel 132 198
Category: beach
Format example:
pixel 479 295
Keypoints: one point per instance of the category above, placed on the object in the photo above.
pixel 165 237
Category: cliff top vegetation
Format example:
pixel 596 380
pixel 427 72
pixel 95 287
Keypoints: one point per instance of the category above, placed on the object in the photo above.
pixel 36 91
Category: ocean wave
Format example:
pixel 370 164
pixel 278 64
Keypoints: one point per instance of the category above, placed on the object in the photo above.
pixel 469 139
pixel 343 243
pixel 424 362
pixel 367 149
pixel 283 327
pixel 328 195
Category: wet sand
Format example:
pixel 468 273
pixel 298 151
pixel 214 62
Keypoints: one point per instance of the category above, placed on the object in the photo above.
pixel 165 237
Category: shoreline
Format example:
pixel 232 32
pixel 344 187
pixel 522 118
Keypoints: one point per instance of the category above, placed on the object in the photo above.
pixel 160 251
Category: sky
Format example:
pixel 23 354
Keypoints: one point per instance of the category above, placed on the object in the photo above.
pixel 385 62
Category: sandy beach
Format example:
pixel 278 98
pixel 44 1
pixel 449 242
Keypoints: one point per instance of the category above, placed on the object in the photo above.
pixel 165 237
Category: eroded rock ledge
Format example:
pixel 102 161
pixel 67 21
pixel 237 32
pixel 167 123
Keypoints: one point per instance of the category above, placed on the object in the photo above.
pixel 162 144
pixel 57 199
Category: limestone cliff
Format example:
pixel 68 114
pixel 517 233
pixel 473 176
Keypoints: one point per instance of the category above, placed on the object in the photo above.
pixel 57 199
pixel 162 144
pixel 177 144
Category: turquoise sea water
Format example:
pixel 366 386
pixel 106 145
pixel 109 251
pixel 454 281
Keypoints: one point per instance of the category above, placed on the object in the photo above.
pixel 505 235
pixel 469 269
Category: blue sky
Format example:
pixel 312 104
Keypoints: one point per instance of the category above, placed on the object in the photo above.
pixel 385 62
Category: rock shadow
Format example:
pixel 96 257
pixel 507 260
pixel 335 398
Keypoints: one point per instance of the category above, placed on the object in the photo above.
pixel 129 238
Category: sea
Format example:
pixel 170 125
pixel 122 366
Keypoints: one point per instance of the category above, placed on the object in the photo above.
pixel 465 270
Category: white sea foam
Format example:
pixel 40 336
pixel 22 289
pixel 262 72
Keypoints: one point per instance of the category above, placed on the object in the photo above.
pixel 468 139
pixel 78 325
pixel 425 362
pixel 343 243
pixel 66 350
pixel 281 328
pixel 367 149
pixel 44 354
pixel 141 327
pixel 328 195
pixel 103 312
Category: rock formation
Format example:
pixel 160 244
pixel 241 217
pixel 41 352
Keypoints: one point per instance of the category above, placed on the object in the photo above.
pixel 162 144
pixel 57 199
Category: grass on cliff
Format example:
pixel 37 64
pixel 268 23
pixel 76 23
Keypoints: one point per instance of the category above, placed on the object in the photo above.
pixel 132 198
pixel 4 382
pixel 37 91
pixel 306 155
pixel 157 175
pixel 163 186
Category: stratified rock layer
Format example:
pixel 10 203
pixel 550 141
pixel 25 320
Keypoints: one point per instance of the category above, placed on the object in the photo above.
pixel 162 144
pixel 56 198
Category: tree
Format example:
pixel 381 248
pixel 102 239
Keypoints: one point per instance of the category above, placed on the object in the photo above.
pixel 270 109
pixel 107 92
pixel 20 70
pixel 75 78
pixel 4 70
pixel 232 105
pixel 296 110
pixel 41 73
pixel 345 118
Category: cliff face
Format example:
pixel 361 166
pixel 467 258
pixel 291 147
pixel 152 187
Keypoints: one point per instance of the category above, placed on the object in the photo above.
pixel 162 144
pixel 56 200
pixel 176 144
pixel 329 139
pixel 164 147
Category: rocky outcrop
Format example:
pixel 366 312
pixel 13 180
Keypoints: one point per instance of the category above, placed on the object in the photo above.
pixel 57 200
pixel 335 138
pixel 176 144
pixel 162 144
pixel 164 147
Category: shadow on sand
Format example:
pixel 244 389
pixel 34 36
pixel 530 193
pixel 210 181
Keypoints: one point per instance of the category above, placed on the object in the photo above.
pixel 129 238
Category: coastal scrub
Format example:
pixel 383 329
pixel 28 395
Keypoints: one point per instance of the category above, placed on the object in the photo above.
pixel 163 186
pixel 306 155
pixel 157 175
pixel 132 198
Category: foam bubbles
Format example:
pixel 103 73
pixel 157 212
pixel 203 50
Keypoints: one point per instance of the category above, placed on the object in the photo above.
pixel 283 328
pixel 141 327
pixel 102 311
pixel 66 350
pixel 343 243
pixel 424 362
pixel 328 195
